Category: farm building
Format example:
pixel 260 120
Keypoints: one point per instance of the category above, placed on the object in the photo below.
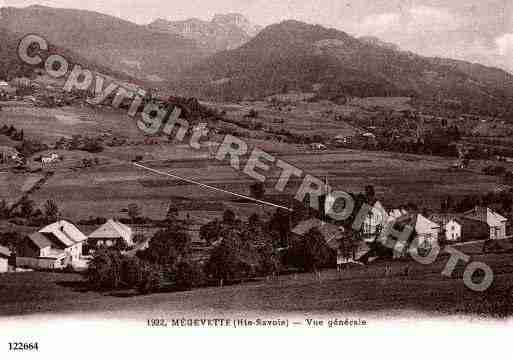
pixel 56 246
pixel 426 231
pixel 375 220
pixel 5 254
pixel 452 231
pixel 450 226
pixel 495 222
pixel 112 233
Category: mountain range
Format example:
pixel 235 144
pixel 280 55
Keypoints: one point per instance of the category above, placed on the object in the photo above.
pixel 310 58
pixel 11 66
pixel 229 58
pixel 116 43
pixel 224 32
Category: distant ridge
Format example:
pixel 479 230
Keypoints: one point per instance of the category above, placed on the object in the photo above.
pixel 106 40
pixel 293 55
pixel 224 32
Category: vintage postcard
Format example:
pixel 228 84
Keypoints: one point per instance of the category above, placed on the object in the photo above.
pixel 313 175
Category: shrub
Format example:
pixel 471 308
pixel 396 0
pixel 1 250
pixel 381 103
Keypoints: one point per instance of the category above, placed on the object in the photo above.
pixel 151 280
pixel 311 253
pixel 233 258
pixel 188 275
pixel 105 268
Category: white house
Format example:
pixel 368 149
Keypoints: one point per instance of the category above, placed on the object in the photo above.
pixel 110 234
pixel 427 231
pixel 56 246
pixel 68 234
pixel 496 223
pixel 452 231
pixel 374 222
pixel 5 253
pixel 450 226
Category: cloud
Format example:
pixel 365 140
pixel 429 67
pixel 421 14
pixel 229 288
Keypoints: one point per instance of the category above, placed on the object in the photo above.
pixel 380 23
pixel 505 45
pixel 433 18
pixel 437 31
pixel 415 20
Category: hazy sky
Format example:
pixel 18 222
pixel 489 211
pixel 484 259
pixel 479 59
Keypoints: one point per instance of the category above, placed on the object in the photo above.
pixel 473 30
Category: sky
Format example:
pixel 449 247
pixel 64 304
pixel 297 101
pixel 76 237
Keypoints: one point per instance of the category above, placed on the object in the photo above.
pixel 473 30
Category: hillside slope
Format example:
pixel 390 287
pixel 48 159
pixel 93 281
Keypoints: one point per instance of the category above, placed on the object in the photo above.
pixel 299 56
pixel 11 66
pixel 106 40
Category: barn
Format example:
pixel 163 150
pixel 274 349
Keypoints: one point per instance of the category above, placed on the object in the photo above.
pixel 111 234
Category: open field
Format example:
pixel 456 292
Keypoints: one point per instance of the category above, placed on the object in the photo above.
pixel 398 178
pixel 49 124
pixel 108 187
pixel 359 290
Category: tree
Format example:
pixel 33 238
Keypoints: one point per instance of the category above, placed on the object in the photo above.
pixel 4 209
pixel 257 190
pixel 233 258
pixel 167 248
pixel 229 217
pixel 132 271
pixel 210 232
pixel 188 275
pixel 51 211
pixel 280 224
pixel 26 207
pixel 254 221
pixel 151 280
pixel 370 194
pixel 105 268
pixel 311 253
pixel 133 212
pixel 172 213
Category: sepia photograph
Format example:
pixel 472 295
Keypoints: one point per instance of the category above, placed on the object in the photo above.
pixel 320 177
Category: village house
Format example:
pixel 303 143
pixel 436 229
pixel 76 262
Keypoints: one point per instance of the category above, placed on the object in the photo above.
pixel 374 222
pixel 56 246
pixel 452 231
pixel 111 234
pixel 495 222
pixel 5 254
pixel 450 226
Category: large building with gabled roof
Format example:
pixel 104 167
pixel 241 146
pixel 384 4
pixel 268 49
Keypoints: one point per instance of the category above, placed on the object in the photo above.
pixel 55 246
pixel 111 234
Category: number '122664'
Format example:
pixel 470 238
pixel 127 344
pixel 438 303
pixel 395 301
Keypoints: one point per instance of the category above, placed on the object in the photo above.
pixel 18 346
